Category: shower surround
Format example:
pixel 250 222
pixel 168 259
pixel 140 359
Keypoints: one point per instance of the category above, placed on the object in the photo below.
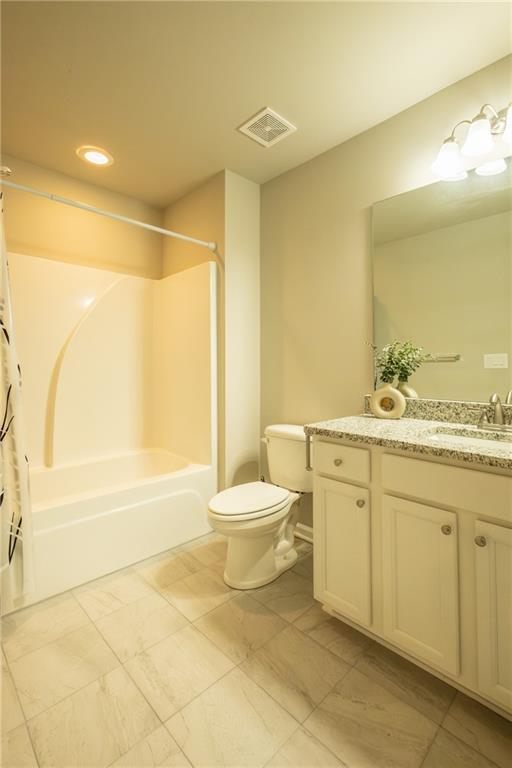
pixel 120 398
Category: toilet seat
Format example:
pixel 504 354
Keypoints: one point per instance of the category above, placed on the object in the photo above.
pixel 249 501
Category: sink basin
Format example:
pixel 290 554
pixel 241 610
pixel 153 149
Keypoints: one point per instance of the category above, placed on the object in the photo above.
pixel 468 436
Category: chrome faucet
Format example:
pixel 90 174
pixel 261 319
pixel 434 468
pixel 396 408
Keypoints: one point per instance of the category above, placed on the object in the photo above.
pixel 497 421
pixel 498 416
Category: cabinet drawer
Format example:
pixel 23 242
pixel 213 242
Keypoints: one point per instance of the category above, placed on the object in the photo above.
pixel 342 461
pixel 480 492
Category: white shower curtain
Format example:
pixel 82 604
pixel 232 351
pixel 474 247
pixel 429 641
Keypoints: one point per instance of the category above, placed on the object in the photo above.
pixel 15 511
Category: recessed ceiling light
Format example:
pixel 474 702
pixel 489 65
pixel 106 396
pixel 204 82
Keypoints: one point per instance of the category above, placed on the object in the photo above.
pixel 95 155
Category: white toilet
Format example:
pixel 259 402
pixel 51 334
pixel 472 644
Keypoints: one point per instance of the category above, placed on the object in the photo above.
pixel 259 518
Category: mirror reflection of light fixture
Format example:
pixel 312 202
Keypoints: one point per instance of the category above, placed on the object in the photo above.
pixel 479 141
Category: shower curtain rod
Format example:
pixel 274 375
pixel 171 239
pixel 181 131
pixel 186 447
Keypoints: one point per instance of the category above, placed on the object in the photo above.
pixel 211 246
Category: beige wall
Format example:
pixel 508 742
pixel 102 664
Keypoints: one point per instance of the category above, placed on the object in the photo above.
pixel 316 298
pixel 40 227
pixel 199 214
pixel 181 380
pixel 242 329
pixel 226 209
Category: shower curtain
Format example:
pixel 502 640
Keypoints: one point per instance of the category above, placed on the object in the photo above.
pixel 15 511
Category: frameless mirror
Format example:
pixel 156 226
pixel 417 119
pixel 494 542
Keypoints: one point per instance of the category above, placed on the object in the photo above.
pixel 442 278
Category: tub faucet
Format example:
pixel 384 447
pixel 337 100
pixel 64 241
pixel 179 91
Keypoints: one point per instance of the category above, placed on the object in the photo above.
pixel 498 416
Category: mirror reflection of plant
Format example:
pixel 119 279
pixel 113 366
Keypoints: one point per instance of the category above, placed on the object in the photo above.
pixel 397 360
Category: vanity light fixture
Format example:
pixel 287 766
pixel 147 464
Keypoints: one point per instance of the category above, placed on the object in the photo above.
pixel 491 167
pixel 94 155
pixel 479 137
pixel 479 141
pixel 449 164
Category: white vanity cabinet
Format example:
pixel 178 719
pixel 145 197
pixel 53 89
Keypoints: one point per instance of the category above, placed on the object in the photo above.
pixel 420 581
pixel 493 554
pixel 343 556
pixel 417 553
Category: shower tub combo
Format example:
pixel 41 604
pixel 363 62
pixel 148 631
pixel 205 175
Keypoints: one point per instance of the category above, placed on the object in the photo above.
pixel 120 398
pixel 93 518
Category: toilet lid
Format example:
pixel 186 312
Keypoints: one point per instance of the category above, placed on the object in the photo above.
pixel 248 498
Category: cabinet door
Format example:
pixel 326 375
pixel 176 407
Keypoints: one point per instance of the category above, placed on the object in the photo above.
pixel 493 553
pixel 420 581
pixel 342 568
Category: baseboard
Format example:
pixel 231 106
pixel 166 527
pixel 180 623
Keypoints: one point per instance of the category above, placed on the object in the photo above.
pixel 305 532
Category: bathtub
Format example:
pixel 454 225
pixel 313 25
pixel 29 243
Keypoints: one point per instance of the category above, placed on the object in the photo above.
pixel 92 518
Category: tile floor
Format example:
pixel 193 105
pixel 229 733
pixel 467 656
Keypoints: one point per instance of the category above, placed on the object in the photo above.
pixel 163 665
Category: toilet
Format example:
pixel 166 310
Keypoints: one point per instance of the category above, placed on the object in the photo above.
pixel 259 518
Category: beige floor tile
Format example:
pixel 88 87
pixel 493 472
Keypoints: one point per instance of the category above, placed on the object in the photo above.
pixel 213 551
pixel 481 728
pixel 295 671
pixel 302 750
pixel 108 594
pixel 232 724
pixel 290 595
pixel 367 727
pixel 304 567
pixel 302 548
pixel 158 750
pixel 94 726
pixel 33 627
pixel 16 750
pixel 198 594
pixel 12 716
pixel 162 570
pixel 174 671
pixel 338 637
pixel 58 669
pixel 410 683
pixel 240 626
pixel 139 625
pixel 449 752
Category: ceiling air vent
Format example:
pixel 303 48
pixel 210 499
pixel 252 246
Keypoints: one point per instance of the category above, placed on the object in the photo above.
pixel 267 127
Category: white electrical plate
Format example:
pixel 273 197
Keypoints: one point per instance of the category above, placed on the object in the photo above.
pixel 496 360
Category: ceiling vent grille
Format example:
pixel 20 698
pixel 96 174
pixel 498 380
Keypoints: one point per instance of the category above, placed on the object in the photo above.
pixel 267 127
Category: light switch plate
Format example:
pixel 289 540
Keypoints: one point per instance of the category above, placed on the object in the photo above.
pixel 496 360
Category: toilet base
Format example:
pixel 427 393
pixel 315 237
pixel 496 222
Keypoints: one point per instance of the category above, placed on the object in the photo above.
pixel 282 564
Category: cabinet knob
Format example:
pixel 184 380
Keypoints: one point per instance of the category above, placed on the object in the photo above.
pixel 480 541
pixel 360 503
pixel 446 529
pixel 338 462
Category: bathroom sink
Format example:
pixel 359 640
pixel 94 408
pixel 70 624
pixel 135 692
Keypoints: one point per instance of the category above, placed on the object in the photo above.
pixel 467 436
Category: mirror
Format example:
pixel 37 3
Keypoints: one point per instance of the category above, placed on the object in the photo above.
pixel 442 278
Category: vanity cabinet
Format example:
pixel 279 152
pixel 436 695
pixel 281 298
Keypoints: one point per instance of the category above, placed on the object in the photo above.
pixel 420 574
pixel 493 555
pixel 417 553
pixel 342 548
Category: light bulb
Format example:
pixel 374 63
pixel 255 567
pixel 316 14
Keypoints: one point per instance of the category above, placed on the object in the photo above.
pixel 448 164
pixel 95 155
pixel 507 133
pixel 479 138
pixel 491 168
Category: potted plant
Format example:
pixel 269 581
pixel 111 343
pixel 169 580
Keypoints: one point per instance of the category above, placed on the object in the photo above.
pixel 397 360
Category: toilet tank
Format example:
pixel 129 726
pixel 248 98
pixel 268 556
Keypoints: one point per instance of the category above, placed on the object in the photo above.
pixel 286 454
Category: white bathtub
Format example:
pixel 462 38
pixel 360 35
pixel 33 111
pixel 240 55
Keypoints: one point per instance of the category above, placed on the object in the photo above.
pixel 93 518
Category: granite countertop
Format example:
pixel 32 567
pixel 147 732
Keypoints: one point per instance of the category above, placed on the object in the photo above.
pixel 434 438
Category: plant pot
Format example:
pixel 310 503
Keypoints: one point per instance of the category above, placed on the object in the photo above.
pixel 387 402
pixel 406 389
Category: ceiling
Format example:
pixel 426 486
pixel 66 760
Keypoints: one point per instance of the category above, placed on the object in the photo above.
pixel 163 85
